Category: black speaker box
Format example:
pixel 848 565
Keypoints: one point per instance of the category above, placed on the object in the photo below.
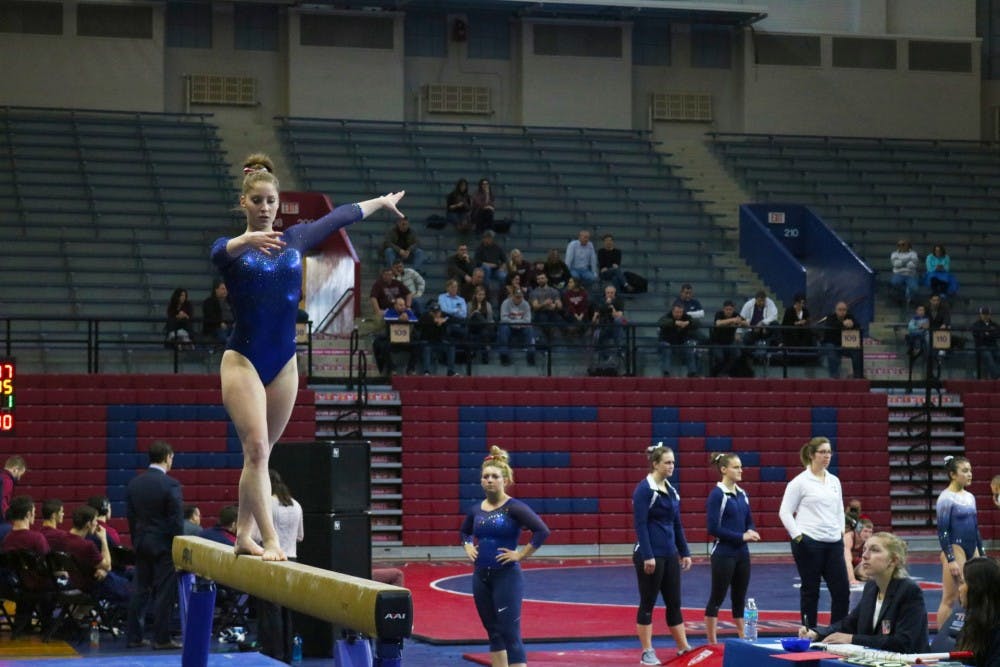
pixel 325 475
pixel 340 542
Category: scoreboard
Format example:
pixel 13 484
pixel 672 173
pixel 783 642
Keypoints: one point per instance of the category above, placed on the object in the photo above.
pixel 7 391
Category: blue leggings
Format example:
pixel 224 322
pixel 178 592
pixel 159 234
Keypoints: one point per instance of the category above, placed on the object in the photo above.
pixel 498 593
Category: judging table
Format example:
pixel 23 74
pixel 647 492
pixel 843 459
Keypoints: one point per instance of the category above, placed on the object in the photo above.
pixel 741 653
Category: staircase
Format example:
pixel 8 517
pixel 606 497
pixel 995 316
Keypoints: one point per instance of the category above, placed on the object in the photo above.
pixel 921 433
pixel 340 413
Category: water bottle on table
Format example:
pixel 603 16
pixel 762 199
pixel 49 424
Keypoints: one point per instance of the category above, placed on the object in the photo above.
pixel 750 620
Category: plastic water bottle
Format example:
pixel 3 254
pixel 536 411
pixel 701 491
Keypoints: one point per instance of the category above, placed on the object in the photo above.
pixel 297 650
pixel 750 620
pixel 95 635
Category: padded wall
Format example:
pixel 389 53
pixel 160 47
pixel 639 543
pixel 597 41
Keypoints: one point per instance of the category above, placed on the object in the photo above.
pixel 578 446
pixel 84 435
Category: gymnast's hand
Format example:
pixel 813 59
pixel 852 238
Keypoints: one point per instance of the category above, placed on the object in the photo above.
pixel 508 555
pixel 471 551
pixel 955 571
pixel 390 200
pixel 686 563
pixel 266 242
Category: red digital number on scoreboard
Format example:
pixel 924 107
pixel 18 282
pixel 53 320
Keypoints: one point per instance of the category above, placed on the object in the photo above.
pixel 7 374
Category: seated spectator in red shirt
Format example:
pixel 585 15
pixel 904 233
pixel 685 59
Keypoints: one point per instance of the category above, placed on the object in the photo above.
pixel 386 289
pixel 103 506
pixel 224 532
pixel 22 536
pixel 576 307
pixel 52 518
pixel 94 562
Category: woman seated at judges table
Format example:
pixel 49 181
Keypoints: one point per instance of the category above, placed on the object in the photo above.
pixel 891 615
pixel 979 593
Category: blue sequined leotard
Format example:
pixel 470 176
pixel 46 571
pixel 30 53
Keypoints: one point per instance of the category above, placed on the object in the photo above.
pixel 501 528
pixel 957 523
pixel 264 291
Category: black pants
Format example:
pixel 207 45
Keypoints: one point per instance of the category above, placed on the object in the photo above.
pixel 815 560
pixel 728 571
pixel 665 581
pixel 274 630
pixel 156 580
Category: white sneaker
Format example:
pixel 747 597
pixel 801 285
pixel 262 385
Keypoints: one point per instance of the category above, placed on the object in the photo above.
pixel 649 658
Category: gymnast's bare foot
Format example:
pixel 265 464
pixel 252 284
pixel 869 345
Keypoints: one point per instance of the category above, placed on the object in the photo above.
pixel 248 548
pixel 273 552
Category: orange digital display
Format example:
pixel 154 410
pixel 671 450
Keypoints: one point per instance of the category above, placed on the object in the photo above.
pixel 8 373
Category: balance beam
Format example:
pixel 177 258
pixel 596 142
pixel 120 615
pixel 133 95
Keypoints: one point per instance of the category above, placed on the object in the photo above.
pixel 377 610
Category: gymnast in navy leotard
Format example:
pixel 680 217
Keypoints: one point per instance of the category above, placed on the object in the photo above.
pixel 263 272
pixel 958 531
pixel 489 535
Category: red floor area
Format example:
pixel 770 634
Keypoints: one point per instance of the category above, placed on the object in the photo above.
pixel 446 617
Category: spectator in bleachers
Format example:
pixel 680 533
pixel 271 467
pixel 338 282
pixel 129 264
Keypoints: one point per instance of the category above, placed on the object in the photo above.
pixel 491 258
pixel 725 352
pixel 274 621
pixel 812 512
pixel 217 314
pixel 518 266
pixel 891 615
pixel 258 371
pixel 483 207
pixel 939 277
pixel 434 339
pixel 917 332
pixel 958 531
pixel 979 592
pixel 796 332
pixel 581 258
pixel 455 308
pixel 93 559
pixel 155 512
pixel 102 504
pixel 515 323
pixel 693 308
pixel 661 551
pixel 834 325
pixel 224 530
pixel 609 322
pixel 576 307
pixel 546 307
pixel 514 285
pixel 413 281
pixel 760 312
pixel 986 333
pixel 905 265
pixel 13 470
pixel 854 542
pixel 401 242
pixel 52 518
pixel 179 315
pixel 481 326
pixel 609 264
pixel 995 490
pixel 384 347
pixel 938 312
pixel 459 206
pixel 192 520
pixel 729 521
pixel 460 265
pixel 677 338
pixel 557 271
pixel 468 290
pixel 386 289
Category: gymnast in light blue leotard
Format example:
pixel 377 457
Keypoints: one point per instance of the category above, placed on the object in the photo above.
pixel 262 269
pixel 958 531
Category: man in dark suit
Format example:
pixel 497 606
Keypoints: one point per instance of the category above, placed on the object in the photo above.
pixel 155 515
